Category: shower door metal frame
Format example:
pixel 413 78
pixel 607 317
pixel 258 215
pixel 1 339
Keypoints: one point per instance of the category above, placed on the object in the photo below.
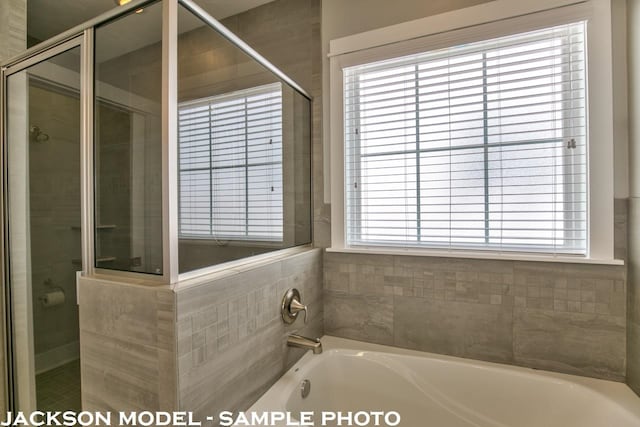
pixel 82 36
pixel 10 384
pixel 85 33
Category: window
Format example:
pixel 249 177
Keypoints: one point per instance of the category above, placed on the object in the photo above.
pixel 230 150
pixel 477 146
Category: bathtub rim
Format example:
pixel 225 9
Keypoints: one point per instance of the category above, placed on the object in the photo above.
pixel 276 396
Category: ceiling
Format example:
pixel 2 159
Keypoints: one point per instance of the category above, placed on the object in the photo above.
pixel 46 18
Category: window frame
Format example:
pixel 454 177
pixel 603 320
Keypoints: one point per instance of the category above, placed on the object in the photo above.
pixel 483 22
pixel 247 238
pixel 354 140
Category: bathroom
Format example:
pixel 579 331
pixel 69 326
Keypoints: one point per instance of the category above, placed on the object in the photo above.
pixel 195 191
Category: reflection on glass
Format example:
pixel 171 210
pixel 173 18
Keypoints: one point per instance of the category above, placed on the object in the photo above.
pixel 244 153
pixel 231 166
pixel 128 143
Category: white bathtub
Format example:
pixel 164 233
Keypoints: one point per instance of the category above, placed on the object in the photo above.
pixel 440 391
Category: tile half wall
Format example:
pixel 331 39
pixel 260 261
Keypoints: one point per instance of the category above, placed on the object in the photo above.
pixel 561 317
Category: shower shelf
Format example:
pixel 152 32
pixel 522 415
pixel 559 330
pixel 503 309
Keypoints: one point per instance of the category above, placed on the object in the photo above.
pixel 99 227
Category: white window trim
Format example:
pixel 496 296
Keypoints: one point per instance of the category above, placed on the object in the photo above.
pixel 485 21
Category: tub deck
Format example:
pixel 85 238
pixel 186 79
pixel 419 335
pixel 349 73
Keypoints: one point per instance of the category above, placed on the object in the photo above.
pixel 442 391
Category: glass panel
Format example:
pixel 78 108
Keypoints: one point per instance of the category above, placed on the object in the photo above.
pixel 244 153
pixel 128 142
pixel 44 231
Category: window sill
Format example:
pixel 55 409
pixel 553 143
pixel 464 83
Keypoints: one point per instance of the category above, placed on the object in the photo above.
pixel 502 256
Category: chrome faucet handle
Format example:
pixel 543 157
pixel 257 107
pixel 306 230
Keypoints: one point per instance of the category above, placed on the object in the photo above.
pixel 296 307
pixel 291 306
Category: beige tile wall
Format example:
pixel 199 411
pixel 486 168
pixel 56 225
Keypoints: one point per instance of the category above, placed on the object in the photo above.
pixel 54 206
pixel 621 228
pixel 204 347
pixel 231 338
pixel 13 28
pixel 127 346
pixel 562 317
pixel 633 316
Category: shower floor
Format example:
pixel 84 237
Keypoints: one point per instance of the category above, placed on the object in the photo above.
pixel 59 388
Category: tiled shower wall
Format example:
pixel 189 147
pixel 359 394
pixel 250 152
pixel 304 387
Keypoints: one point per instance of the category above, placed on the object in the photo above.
pixel 231 338
pixel 13 28
pixel 633 317
pixel 562 317
pixel 54 188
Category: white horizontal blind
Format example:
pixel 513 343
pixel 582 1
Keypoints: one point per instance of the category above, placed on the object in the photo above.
pixel 230 157
pixel 479 146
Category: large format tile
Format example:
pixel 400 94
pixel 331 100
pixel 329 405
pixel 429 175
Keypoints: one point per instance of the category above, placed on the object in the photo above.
pixel 234 379
pixel 621 228
pixel 128 346
pixel 465 307
pixel 359 317
pixel 634 261
pixel 633 356
pixel 139 314
pixel 231 338
pixel 121 375
pixel 633 297
pixel 13 28
pixel 578 343
pixel 478 331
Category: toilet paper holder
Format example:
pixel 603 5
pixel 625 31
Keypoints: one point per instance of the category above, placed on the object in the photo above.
pixel 55 296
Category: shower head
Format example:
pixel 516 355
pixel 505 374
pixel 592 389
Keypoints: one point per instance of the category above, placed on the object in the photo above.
pixel 38 135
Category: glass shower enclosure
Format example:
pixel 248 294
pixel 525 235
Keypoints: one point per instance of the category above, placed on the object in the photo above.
pixel 149 145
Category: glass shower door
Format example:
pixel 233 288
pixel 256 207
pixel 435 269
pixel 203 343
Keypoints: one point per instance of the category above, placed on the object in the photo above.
pixel 44 215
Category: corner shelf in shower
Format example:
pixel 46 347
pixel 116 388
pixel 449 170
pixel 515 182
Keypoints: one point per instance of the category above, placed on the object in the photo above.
pixel 99 227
